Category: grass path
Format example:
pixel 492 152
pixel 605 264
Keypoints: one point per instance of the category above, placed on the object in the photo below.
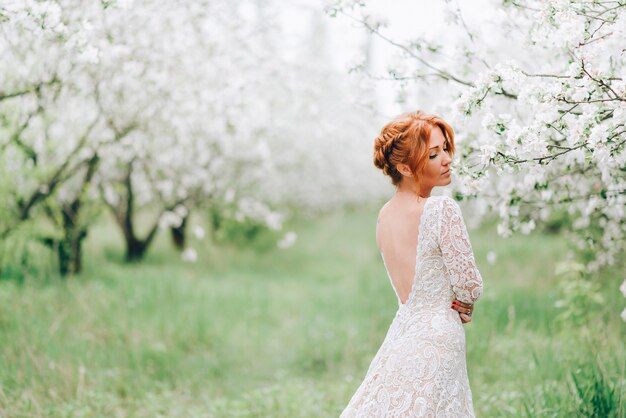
pixel 258 332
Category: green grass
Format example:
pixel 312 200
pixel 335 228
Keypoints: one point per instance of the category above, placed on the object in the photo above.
pixel 258 331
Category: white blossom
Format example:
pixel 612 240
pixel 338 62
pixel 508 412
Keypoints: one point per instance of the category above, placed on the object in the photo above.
pixel 527 227
pixel 198 232
pixel 503 230
pixel 189 255
pixel 287 240
pixel 170 219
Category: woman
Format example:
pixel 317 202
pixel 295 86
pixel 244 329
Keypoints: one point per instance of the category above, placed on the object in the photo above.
pixel 420 368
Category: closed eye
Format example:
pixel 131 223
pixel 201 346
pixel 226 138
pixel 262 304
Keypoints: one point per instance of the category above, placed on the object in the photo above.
pixel 434 155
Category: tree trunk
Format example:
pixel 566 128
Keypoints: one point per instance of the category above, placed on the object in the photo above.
pixel 135 250
pixel 69 248
pixel 69 251
pixel 179 234
pixel 124 214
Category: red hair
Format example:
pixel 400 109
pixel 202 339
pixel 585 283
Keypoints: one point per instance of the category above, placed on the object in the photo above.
pixel 405 141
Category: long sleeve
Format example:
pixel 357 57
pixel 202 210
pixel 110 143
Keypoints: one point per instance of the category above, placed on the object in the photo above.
pixel 456 250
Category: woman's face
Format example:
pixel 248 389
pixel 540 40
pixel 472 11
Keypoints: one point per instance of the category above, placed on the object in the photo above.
pixel 437 169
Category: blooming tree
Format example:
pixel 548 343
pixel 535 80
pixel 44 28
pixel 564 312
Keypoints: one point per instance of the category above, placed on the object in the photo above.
pixel 52 128
pixel 539 97
pixel 168 107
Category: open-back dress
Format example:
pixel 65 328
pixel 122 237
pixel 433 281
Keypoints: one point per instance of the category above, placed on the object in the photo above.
pixel 420 369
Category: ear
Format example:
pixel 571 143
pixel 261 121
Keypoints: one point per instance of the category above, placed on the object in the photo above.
pixel 404 170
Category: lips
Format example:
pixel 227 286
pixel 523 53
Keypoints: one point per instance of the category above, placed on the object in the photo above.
pixel 447 172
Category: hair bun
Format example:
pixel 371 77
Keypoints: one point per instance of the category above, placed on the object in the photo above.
pixel 383 147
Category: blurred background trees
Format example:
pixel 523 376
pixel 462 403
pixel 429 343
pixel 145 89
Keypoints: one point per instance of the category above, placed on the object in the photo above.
pixel 161 110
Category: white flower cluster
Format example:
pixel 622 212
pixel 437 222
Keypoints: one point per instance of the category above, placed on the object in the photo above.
pixel 541 108
pixel 175 104
pixel 189 255
pixel 173 218
pixel 565 143
pixel 253 209
pixel 288 240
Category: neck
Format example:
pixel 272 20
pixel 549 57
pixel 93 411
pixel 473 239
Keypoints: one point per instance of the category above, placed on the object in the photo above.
pixel 413 191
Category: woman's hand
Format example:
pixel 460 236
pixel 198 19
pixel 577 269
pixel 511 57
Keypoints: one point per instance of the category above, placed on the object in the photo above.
pixel 465 310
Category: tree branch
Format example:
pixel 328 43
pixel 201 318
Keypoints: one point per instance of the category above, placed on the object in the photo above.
pixel 58 176
pixel 33 89
pixel 440 73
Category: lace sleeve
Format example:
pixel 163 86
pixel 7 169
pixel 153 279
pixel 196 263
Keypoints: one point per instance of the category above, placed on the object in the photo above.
pixel 456 250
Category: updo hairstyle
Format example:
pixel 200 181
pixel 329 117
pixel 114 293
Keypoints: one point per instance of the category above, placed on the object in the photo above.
pixel 405 141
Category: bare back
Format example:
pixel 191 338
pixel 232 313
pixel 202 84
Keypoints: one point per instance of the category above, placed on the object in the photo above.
pixel 397 238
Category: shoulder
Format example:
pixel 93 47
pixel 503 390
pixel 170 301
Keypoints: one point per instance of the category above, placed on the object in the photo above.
pixel 447 202
pixel 449 207
pixel 379 218
pixel 381 212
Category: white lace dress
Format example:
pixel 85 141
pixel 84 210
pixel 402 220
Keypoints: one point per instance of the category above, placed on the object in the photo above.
pixel 420 369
